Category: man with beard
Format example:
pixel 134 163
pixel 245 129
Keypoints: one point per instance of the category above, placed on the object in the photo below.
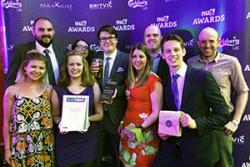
pixel 152 39
pixel 44 33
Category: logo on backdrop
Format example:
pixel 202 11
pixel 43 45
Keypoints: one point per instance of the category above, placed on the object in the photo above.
pixel 10 47
pixel 81 26
pixel 12 4
pixel 239 139
pixel 234 43
pixel 138 4
pixel 209 16
pixel 248 15
pixel 189 43
pixel 56 5
pixel 164 22
pixel 170 0
pixel 28 27
pixel 247 69
pixel 122 25
pixel 106 5
pixel 247 116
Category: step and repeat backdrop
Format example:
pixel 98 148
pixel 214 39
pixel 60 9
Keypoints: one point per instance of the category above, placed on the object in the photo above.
pixel 75 19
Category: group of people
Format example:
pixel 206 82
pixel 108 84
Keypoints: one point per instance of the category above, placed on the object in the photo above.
pixel 40 75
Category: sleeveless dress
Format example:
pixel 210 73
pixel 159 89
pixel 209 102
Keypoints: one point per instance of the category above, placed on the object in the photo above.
pixel 76 147
pixel 31 131
pixel 138 109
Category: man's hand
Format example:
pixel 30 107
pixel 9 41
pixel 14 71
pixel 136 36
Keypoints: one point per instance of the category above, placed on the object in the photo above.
pixel 230 128
pixel 95 67
pixel 187 121
pixel 164 137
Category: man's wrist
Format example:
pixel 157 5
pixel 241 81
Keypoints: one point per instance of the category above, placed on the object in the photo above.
pixel 235 122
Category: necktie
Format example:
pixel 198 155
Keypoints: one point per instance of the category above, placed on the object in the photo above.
pixel 106 70
pixel 49 67
pixel 175 90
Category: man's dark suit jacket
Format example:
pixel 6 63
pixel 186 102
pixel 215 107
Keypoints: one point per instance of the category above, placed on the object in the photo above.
pixel 113 113
pixel 200 94
pixel 20 55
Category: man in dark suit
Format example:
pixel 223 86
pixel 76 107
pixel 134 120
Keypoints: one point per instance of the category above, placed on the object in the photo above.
pixel 196 93
pixel 115 65
pixel 44 33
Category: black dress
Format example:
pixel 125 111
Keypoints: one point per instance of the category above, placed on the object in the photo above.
pixel 76 147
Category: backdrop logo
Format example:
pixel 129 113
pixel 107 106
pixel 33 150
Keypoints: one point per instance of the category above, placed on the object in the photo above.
pixel 106 5
pixel 12 4
pixel 189 43
pixel 28 27
pixel 81 26
pixel 56 5
pixel 247 68
pixel 122 25
pixel 239 139
pixel 234 43
pixel 10 47
pixel 163 22
pixel 248 15
pixel 247 116
pixel 138 4
pixel 208 16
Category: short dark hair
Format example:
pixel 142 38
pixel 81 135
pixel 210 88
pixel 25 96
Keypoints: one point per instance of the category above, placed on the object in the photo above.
pixel 172 37
pixel 109 29
pixel 42 18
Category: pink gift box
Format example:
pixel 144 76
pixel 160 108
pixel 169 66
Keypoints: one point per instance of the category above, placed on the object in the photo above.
pixel 169 123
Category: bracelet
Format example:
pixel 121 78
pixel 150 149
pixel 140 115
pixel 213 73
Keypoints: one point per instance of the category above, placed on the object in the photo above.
pixel 236 123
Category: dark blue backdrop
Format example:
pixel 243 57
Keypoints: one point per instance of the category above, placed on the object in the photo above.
pixel 75 19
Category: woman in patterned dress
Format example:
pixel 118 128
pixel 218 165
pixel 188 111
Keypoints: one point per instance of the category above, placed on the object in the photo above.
pixel 138 135
pixel 27 128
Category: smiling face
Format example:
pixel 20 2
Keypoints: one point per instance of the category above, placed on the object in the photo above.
pixel 208 42
pixel 35 70
pixel 75 66
pixel 44 32
pixel 108 42
pixel 139 60
pixel 173 54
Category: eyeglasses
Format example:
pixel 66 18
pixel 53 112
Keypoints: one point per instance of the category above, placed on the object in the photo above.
pixel 110 38
pixel 81 47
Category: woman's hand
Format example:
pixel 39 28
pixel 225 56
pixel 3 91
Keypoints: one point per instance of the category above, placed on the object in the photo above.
pixel 7 155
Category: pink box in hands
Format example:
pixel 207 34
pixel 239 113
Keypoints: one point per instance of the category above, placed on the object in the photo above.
pixel 169 123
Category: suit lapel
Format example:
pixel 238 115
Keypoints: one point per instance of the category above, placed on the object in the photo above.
pixel 187 87
pixel 116 64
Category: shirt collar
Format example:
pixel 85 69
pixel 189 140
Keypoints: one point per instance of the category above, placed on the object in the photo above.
pixel 112 55
pixel 214 60
pixel 182 71
pixel 41 48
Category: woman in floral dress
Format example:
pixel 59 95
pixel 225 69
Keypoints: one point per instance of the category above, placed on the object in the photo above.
pixel 139 141
pixel 27 127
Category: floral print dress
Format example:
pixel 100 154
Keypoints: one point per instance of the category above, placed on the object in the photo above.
pixel 132 152
pixel 31 132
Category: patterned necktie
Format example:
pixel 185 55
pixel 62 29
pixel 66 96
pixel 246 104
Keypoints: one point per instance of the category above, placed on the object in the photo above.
pixel 106 70
pixel 175 90
pixel 49 67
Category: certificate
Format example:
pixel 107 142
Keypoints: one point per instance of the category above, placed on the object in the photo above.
pixel 169 123
pixel 75 112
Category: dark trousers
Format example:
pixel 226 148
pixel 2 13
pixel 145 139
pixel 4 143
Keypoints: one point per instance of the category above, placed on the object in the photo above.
pixel 108 145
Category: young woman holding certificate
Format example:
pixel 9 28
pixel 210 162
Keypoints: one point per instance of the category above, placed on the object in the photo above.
pixel 139 141
pixel 28 127
pixel 76 93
